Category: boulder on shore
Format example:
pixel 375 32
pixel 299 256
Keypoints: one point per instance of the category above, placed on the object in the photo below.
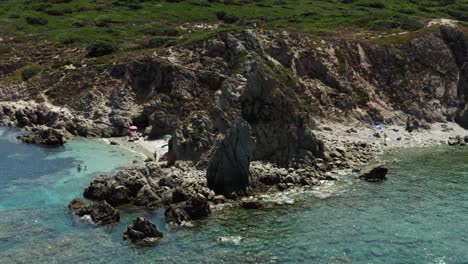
pixel 457 141
pixel 229 167
pixel 412 124
pixel 100 212
pixel 143 232
pixel 375 174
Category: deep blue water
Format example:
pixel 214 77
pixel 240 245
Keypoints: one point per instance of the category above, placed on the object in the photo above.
pixel 419 215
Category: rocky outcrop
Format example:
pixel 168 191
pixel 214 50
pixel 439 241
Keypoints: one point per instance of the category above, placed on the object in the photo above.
pixel 266 175
pixel 457 141
pixel 412 124
pixel 122 188
pixel 229 167
pixel 194 208
pixel 143 232
pixel 151 186
pixel 46 121
pixel 192 139
pixel 252 204
pixel 46 136
pixel 278 116
pixel 182 190
pixel 375 174
pixel 283 85
pixel 101 213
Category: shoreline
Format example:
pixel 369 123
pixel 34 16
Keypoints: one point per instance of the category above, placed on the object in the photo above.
pixel 342 138
pixel 347 152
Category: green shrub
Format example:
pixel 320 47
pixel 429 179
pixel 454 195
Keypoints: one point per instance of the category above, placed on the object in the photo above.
pixel 411 24
pixel 4 49
pixel 70 40
pixel 372 4
pixel 36 21
pixel 226 18
pixel 55 12
pixel 30 72
pixel 158 42
pixel 100 48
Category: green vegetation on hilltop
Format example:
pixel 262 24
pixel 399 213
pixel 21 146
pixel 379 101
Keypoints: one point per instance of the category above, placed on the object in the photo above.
pixel 132 23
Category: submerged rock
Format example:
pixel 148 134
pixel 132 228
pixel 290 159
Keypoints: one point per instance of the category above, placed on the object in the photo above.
pixel 143 232
pixel 229 167
pixel 101 212
pixel 375 174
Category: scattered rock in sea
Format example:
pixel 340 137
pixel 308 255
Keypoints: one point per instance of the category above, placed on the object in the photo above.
pixel 375 174
pixel 101 213
pixel 252 204
pixel 143 232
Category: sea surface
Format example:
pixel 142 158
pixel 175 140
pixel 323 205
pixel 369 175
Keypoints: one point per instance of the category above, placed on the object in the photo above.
pixel 419 215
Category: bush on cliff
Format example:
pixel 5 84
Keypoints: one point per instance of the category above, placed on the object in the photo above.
pixel 30 72
pixel 36 21
pixel 100 48
pixel 4 49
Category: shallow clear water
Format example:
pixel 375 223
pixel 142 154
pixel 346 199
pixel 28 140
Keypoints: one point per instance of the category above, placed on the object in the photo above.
pixel 419 215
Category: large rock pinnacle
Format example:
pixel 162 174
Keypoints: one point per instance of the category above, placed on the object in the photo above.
pixel 228 168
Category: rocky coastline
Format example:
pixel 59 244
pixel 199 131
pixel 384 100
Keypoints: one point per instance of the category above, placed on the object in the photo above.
pixel 252 112
pixel 183 188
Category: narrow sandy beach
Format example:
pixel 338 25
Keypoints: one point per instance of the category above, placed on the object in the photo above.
pixel 394 136
pixel 145 148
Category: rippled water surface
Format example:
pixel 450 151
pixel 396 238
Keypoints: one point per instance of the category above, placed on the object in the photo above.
pixel 420 215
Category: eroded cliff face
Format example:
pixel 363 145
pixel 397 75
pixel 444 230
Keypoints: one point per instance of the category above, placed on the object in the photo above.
pixel 282 84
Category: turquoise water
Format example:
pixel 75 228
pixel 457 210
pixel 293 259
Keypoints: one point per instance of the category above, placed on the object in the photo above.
pixel 420 215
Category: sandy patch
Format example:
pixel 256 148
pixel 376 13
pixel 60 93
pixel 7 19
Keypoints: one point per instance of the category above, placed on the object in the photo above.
pixel 392 136
pixel 144 147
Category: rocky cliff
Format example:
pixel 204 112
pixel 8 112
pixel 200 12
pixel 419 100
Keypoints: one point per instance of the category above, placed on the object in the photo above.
pixel 282 84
